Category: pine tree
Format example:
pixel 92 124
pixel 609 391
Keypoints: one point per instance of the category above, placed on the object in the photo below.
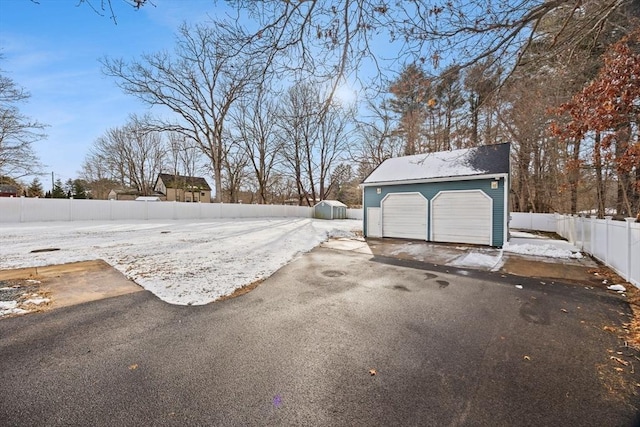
pixel 79 189
pixel 411 95
pixel 35 188
pixel 58 192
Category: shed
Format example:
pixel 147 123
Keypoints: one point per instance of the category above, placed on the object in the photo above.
pixel 458 196
pixel 330 209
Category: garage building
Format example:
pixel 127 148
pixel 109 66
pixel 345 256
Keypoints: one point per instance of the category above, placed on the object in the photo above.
pixel 458 196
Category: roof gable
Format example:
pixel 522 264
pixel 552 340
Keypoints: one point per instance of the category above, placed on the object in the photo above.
pixel 483 160
pixel 183 181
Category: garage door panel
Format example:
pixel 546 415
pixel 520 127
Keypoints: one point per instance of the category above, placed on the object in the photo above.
pixel 404 215
pixel 462 217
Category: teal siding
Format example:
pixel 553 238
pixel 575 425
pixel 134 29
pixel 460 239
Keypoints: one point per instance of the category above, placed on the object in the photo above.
pixel 429 190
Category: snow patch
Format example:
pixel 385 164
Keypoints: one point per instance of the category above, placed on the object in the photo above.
pixel 477 260
pixel 547 250
pixel 36 301
pixel 10 307
pixel 617 288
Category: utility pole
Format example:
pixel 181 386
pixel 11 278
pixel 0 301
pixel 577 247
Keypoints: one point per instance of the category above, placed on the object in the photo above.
pixel 51 182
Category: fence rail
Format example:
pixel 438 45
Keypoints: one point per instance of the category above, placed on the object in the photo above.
pixel 24 209
pixel 615 243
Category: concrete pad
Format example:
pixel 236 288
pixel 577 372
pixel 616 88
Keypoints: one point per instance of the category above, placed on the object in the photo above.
pixel 346 244
pixel 570 270
pixel 439 254
pixel 76 283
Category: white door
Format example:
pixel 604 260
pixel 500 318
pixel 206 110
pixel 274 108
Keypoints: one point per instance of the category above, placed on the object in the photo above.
pixel 462 217
pixel 373 222
pixel 404 215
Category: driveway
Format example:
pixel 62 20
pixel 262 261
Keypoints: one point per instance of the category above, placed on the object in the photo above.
pixel 444 349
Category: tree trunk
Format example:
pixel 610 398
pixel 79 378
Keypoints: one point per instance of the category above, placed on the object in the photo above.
pixel 574 175
pixel 600 187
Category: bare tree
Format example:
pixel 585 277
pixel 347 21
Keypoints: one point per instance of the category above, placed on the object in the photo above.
pixel 235 161
pixel 255 125
pixel 130 155
pixel 184 155
pixel 198 84
pixel 376 139
pixel 314 138
pixel 17 132
pixel 335 37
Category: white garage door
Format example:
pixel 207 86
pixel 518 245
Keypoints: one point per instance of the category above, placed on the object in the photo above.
pixel 462 217
pixel 404 215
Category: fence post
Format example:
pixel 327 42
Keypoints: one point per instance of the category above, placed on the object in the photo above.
pixel 593 234
pixel 628 228
pixel 606 238
pixel 582 232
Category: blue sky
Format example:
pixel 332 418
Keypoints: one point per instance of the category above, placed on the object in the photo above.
pixel 52 50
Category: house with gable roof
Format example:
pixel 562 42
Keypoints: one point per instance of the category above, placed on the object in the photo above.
pixel 181 188
pixel 458 196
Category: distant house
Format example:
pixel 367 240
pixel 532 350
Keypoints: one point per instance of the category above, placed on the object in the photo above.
pixel 7 190
pixel 182 188
pixel 123 194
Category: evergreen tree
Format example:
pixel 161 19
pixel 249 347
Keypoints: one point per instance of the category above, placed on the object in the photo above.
pixel 79 189
pixel 35 188
pixel 58 191
pixel 411 96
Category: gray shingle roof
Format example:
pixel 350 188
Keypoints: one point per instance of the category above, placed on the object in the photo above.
pixel 182 181
pixel 483 160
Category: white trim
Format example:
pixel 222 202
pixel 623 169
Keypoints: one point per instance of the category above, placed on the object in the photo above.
pixel 441 179
pixel 505 232
pixel 460 191
pixel 426 237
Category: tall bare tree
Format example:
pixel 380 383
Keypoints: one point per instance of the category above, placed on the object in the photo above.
pixel 255 128
pixel 131 155
pixel 17 132
pixel 376 139
pixel 314 138
pixel 199 83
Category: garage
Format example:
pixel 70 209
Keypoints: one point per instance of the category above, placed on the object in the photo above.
pixel 404 216
pixel 457 196
pixel 463 216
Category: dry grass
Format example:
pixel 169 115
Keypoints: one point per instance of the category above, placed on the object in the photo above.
pixel 241 291
pixel 633 296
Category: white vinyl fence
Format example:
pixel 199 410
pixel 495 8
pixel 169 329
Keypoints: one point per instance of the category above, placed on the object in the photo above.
pixel 355 214
pixel 615 243
pixel 22 209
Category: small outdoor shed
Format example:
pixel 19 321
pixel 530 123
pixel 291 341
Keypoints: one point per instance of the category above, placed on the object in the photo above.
pixel 330 209
pixel 458 196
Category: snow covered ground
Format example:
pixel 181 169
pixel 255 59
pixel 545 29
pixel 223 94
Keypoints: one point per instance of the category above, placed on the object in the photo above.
pixel 182 262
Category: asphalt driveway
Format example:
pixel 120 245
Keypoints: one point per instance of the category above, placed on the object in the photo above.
pixel 446 349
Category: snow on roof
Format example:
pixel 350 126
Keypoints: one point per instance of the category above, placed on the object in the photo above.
pixel 488 159
pixel 332 203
